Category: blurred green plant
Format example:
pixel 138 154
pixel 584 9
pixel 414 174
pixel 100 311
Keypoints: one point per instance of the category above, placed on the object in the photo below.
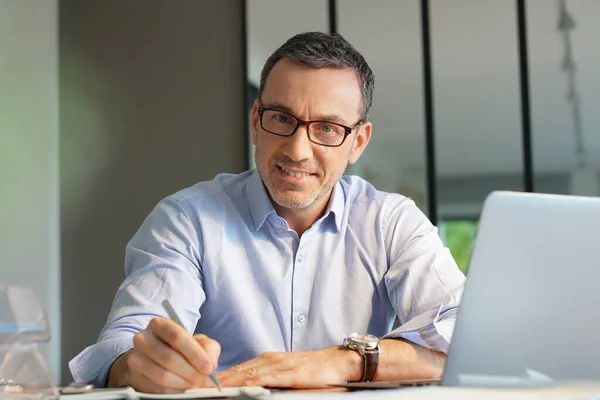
pixel 459 236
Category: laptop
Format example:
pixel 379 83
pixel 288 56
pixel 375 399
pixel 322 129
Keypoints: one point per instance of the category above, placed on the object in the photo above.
pixel 531 302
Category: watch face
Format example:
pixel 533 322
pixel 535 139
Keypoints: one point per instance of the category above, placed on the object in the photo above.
pixel 366 340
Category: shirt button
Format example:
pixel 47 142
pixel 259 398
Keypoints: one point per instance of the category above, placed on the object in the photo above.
pixel 279 222
pixel 301 318
pixel 300 258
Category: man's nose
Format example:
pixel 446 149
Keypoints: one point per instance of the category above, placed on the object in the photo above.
pixel 298 147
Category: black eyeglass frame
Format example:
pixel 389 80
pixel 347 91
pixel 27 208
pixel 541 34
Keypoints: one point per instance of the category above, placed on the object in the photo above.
pixel 299 122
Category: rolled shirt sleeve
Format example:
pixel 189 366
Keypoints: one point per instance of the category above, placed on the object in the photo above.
pixel 161 261
pixel 435 334
pixel 423 282
pixel 93 363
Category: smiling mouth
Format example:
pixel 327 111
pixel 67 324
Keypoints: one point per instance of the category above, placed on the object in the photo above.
pixel 295 174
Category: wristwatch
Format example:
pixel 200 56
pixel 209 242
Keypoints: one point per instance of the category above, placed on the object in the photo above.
pixel 368 347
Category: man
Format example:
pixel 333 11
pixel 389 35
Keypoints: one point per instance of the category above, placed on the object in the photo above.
pixel 271 269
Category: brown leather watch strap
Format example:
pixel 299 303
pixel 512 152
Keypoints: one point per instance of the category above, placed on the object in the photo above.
pixel 371 364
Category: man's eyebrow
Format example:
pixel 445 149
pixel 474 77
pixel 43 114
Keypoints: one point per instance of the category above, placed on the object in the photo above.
pixel 331 118
pixel 280 107
pixel 323 117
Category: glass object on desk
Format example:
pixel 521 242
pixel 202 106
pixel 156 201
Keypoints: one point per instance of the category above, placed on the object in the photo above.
pixel 23 324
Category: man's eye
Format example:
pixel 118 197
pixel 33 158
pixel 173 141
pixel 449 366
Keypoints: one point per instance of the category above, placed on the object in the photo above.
pixel 327 128
pixel 282 118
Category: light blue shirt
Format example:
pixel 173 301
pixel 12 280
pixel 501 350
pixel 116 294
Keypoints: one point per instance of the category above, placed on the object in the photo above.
pixel 233 270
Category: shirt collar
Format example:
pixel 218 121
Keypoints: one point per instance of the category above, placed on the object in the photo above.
pixel 258 200
pixel 336 205
pixel 261 206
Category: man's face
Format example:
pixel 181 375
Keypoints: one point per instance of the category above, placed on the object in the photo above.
pixel 298 173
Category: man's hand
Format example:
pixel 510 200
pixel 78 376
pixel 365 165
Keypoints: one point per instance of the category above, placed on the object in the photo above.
pixel 165 359
pixel 300 370
pixel 399 360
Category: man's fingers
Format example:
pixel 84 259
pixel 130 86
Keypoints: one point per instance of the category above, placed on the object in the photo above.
pixel 180 340
pixel 211 346
pixel 301 370
pixel 139 364
pixel 143 384
pixel 236 376
pixel 296 378
pixel 276 379
pixel 266 376
pixel 264 364
pixel 265 359
pixel 166 357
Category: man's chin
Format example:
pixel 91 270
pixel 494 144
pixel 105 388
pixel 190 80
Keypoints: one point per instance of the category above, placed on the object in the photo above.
pixel 293 199
pixel 293 204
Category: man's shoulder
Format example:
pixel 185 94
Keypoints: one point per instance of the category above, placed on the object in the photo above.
pixel 223 186
pixel 359 191
pixel 366 203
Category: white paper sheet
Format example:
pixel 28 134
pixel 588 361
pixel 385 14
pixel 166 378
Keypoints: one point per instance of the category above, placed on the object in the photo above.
pixel 127 393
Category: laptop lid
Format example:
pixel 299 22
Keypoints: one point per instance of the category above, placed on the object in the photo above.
pixel 532 297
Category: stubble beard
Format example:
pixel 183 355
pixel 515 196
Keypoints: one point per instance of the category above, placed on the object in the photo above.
pixel 293 196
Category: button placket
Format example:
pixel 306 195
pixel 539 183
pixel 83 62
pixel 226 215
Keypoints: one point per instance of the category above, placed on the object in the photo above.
pixel 299 305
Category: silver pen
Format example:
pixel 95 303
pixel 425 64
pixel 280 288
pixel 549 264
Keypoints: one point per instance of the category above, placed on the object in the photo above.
pixel 173 315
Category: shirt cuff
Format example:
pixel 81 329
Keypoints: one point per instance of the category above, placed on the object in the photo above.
pixel 431 330
pixel 93 363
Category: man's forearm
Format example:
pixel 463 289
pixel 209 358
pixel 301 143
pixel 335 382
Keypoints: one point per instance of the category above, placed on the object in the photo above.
pixel 401 360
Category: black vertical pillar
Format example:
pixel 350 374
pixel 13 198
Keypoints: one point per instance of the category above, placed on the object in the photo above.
pixel 332 16
pixel 428 105
pixel 525 112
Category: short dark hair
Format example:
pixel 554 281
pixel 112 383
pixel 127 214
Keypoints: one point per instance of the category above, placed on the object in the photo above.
pixel 324 50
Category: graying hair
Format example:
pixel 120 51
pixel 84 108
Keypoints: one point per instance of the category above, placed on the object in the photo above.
pixel 323 50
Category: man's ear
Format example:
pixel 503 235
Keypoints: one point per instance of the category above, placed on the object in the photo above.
pixel 363 135
pixel 254 121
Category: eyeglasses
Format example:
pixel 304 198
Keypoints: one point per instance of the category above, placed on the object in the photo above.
pixel 324 133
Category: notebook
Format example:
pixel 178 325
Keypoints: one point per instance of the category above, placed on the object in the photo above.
pixel 202 393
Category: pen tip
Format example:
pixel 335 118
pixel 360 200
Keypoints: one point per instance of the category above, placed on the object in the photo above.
pixel 215 382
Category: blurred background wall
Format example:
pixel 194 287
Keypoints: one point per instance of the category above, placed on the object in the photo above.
pixel 151 102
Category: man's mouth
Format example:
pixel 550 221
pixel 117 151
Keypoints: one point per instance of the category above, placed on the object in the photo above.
pixel 294 173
